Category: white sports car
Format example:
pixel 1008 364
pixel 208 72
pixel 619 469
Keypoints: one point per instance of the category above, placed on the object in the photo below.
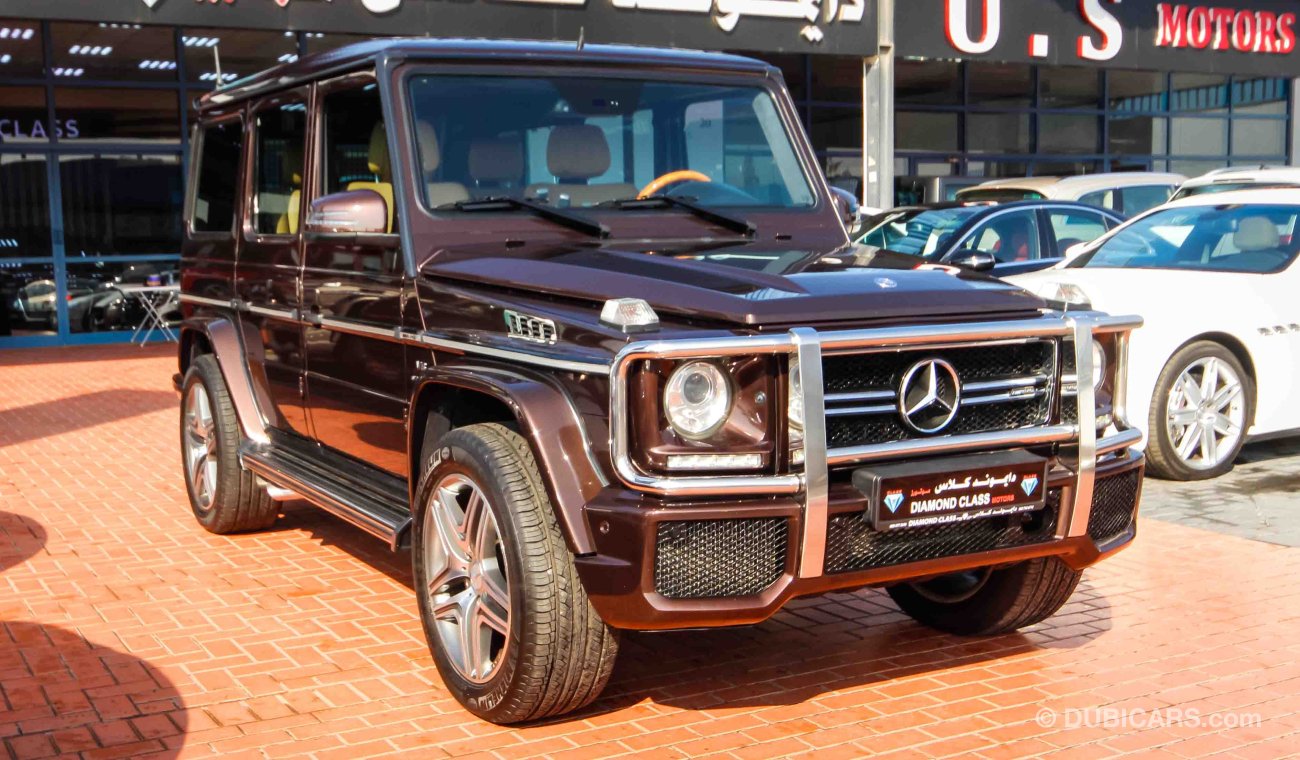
pixel 1218 359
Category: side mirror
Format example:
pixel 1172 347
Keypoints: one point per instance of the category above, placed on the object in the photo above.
pixel 353 212
pixel 1074 250
pixel 846 205
pixel 976 260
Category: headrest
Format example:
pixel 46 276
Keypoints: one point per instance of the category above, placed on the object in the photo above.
pixel 577 151
pixel 430 152
pixel 1256 233
pixel 377 154
pixel 496 159
pixel 291 163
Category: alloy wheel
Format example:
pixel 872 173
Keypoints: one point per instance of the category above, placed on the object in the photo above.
pixel 468 591
pixel 1206 413
pixel 200 446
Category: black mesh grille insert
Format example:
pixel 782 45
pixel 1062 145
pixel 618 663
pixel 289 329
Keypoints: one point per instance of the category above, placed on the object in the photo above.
pixel 697 559
pixel 1113 500
pixel 852 544
pixel 883 372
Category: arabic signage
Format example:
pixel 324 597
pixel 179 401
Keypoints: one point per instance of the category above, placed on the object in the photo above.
pixel 1228 36
pixel 846 27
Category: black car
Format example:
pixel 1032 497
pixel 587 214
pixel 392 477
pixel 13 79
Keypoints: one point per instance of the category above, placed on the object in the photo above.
pixel 1007 238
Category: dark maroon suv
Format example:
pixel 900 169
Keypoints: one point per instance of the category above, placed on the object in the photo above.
pixel 583 329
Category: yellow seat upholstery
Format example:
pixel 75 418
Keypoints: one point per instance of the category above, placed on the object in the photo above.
pixel 288 223
pixel 381 166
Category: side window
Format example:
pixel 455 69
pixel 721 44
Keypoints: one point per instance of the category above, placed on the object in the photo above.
pixel 218 173
pixel 1100 199
pixel 356 145
pixel 1009 237
pixel 1139 199
pixel 278 168
pixel 1073 227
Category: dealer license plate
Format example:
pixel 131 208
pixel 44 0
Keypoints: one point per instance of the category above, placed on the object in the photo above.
pixel 952 490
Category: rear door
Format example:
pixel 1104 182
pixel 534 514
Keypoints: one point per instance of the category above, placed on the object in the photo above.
pixel 267 274
pixel 352 286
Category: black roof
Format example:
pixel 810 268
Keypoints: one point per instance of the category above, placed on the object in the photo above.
pixel 357 55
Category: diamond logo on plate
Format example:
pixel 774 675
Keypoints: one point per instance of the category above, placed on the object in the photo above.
pixel 894 501
pixel 1029 484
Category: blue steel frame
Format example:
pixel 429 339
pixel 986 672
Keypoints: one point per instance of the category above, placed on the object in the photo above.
pixel 184 91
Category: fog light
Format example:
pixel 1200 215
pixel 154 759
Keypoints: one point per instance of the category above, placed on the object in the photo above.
pixel 715 461
pixel 796 456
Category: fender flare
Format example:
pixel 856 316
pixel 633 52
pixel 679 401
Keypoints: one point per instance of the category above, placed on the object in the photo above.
pixel 548 421
pixel 223 336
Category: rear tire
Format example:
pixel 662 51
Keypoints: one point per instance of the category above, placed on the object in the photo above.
pixel 224 497
pixel 509 624
pixel 989 601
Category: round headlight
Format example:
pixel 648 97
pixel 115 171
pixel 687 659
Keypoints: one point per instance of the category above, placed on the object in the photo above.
pixel 1098 365
pixel 697 399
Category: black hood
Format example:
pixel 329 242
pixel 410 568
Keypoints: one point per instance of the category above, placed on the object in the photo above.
pixel 744 283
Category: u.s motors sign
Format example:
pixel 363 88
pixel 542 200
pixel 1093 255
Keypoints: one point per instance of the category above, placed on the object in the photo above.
pixel 1230 36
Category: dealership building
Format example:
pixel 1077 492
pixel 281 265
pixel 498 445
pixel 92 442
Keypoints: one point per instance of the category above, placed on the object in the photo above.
pixel 96 101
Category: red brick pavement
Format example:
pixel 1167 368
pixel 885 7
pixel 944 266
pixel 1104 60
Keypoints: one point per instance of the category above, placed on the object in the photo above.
pixel 127 630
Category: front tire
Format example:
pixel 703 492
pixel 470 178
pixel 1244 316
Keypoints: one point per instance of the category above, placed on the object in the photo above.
pixel 989 601
pixel 224 497
pixel 511 629
pixel 1199 413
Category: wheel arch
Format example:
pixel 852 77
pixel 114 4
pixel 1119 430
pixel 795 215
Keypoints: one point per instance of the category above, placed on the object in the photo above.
pixel 445 398
pixel 1237 348
pixel 220 337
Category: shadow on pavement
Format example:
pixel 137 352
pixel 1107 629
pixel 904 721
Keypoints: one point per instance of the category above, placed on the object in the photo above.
pixel 49 418
pixel 60 693
pixel 815 646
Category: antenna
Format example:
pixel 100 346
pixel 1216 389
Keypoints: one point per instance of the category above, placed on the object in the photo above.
pixel 582 34
pixel 216 57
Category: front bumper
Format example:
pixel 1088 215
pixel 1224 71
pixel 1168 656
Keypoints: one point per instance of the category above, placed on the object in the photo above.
pixel 690 551
pixel 654 557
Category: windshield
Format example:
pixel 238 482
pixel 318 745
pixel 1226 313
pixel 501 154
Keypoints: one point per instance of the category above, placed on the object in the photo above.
pixel 920 232
pixel 998 194
pixel 580 142
pixel 1253 238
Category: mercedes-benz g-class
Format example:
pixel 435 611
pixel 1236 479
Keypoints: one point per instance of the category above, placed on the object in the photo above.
pixel 581 326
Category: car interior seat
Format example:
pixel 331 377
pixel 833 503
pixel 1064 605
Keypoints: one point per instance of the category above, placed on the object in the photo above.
pixel 1256 233
pixel 378 161
pixel 436 193
pixel 575 154
pixel 291 161
pixel 496 164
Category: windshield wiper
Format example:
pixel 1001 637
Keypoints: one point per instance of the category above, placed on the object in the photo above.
pixel 733 223
pixel 566 218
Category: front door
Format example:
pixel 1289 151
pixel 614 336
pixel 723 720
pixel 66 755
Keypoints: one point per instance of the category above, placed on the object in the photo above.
pixel 267 273
pixel 352 285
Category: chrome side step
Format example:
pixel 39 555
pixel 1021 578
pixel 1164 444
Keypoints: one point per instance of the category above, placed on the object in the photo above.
pixel 377 507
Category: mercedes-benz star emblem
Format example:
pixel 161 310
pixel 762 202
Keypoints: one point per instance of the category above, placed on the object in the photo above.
pixel 929 395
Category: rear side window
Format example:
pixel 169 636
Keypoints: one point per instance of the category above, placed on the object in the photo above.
pixel 1074 227
pixel 1143 197
pixel 218 172
pixel 1100 199
pixel 281 132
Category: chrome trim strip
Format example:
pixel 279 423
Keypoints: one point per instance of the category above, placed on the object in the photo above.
pixel 816 500
pixel 998 385
pixel 289 315
pixel 1002 398
pixel 1042 327
pixel 1121 440
pixel 848 398
pixel 205 301
pixel 847 411
pixel 1086 462
pixel 567 365
pixel 923 446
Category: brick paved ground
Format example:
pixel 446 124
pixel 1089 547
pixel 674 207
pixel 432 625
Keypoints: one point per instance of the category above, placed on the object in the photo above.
pixel 125 629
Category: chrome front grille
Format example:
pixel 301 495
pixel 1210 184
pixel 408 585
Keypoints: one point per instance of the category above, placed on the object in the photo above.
pixel 1004 386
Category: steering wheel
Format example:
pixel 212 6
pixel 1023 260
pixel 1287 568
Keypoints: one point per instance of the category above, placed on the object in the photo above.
pixel 664 180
